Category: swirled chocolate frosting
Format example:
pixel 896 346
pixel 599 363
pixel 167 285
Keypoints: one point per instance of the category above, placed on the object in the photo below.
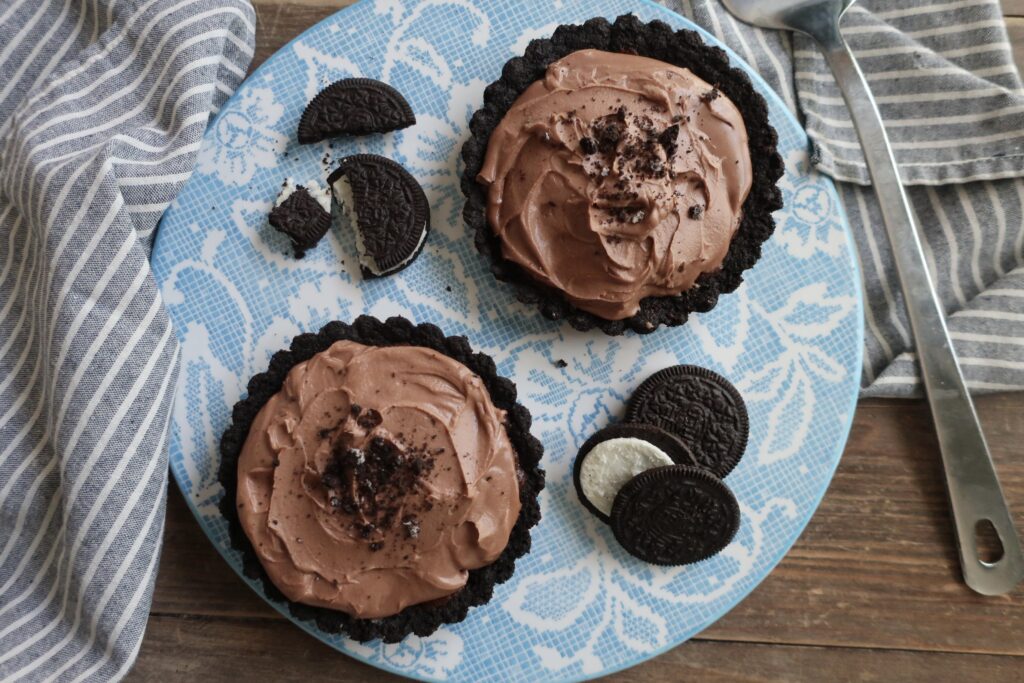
pixel 376 479
pixel 617 177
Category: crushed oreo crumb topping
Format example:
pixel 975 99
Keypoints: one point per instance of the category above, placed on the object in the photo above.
pixel 373 483
pixel 667 139
pixel 370 419
pixel 631 144
pixel 412 526
pixel 710 95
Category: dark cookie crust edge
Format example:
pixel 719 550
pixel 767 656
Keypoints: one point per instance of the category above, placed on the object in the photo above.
pixel 656 40
pixel 421 620
pixel 724 466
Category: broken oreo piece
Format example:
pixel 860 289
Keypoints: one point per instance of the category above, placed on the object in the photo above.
pixel 387 209
pixel 354 106
pixel 675 515
pixel 303 213
pixel 616 454
pixel 700 407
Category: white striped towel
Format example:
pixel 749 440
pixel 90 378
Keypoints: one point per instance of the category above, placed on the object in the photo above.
pixel 103 104
pixel 102 107
pixel 943 74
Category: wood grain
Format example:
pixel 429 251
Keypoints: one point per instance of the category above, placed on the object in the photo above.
pixel 193 648
pixel 277 22
pixel 1013 8
pixel 877 567
pixel 870 592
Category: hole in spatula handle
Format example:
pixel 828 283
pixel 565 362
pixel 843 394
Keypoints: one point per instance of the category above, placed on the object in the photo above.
pixel 987 542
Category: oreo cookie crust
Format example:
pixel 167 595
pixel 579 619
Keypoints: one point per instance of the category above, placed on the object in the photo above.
pixel 354 106
pixel 675 515
pixel 422 619
pixel 669 444
pixel 699 406
pixel 656 40
pixel 387 209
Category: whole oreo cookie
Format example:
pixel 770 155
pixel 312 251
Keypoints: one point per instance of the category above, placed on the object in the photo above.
pixel 625 450
pixel 354 106
pixel 700 407
pixel 675 515
pixel 387 209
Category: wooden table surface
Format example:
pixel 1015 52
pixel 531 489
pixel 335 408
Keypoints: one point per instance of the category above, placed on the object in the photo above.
pixel 870 592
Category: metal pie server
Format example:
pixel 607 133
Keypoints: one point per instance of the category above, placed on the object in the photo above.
pixel 975 496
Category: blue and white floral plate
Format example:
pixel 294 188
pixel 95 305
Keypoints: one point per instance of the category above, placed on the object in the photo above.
pixel 578 606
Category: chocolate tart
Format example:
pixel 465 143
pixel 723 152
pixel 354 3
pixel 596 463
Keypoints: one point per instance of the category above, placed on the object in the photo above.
pixel 658 41
pixel 420 619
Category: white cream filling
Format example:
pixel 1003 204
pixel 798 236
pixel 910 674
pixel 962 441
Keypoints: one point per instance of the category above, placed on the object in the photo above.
pixel 322 195
pixel 609 466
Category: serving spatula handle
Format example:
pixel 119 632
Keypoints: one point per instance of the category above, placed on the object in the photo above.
pixel 974 493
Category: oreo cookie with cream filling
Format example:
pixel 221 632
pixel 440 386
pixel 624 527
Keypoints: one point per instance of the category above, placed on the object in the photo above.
pixel 615 454
pixel 303 213
pixel 386 208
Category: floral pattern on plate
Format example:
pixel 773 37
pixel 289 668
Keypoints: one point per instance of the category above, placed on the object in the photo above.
pixel 578 605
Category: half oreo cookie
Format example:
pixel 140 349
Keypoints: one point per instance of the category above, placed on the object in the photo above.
pixel 354 106
pixel 675 515
pixel 387 209
pixel 699 406
pixel 616 454
pixel 303 213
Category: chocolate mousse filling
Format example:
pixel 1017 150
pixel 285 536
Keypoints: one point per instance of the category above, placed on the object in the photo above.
pixel 622 175
pixel 380 477
pixel 410 435
pixel 616 177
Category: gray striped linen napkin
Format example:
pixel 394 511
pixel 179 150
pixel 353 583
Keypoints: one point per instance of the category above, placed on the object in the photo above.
pixel 103 104
pixel 102 108
pixel 943 74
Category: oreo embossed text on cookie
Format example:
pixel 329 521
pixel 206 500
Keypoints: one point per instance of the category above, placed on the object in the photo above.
pixel 386 208
pixel 700 407
pixel 354 106
pixel 675 515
